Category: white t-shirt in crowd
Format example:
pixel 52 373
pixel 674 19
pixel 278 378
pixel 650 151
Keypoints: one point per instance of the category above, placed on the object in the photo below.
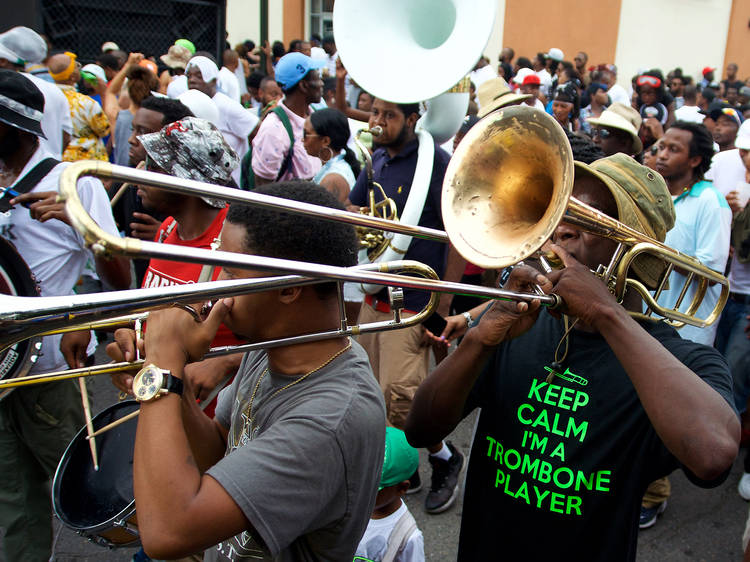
pixel 177 86
pixel 56 117
pixel 331 64
pixel 54 251
pixel 546 82
pixel 235 123
pixel 618 94
pixel 538 104
pixel 689 113
pixel 239 74
pixel 702 226
pixel 228 84
pixel 318 53
pixel 726 171
pixel 374 542
pixel 481 76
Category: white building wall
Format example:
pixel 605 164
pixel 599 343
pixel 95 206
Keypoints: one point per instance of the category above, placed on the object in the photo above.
pixel 666 34
pixel 243 20
pixel 495 43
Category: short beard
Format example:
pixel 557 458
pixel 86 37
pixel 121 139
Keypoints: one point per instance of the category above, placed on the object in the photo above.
pixel 11 143
pixel 398 141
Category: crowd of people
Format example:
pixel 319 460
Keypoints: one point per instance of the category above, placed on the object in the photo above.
pixel 307 452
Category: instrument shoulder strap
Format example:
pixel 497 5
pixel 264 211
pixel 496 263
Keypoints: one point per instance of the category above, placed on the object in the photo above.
pixel 32 178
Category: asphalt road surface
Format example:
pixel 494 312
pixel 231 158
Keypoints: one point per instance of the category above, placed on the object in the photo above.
pixel 699 524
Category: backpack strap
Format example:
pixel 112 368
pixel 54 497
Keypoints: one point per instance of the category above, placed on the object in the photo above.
pixel 27 182
pixel 284 118
pixel 286 165
pixel 402 531
pixel 247 176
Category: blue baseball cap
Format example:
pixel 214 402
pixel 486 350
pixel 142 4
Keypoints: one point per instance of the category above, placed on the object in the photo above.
pixel 293 67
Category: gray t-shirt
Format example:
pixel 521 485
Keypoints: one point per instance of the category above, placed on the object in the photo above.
pixel 306 476
pixel 123 130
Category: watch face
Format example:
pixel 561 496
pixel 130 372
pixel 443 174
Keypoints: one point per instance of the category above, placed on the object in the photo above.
pixel 147 383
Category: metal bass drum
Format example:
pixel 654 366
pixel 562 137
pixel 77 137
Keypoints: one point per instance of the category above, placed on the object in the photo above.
pixel 100 505
pixel 16 280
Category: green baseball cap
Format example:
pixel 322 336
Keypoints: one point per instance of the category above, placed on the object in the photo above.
pixel 400 460
pixel 643 203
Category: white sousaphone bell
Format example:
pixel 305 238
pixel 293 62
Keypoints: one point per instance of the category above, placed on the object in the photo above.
pixel 408 51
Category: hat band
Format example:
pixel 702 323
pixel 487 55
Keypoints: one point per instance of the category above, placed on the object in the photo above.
pixel 21 109
pixel 65 74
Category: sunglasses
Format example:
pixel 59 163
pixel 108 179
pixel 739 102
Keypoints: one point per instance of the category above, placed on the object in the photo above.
pixel 602 133
pixel 646 80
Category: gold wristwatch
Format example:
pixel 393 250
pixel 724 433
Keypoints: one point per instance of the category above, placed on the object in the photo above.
pixel 151 382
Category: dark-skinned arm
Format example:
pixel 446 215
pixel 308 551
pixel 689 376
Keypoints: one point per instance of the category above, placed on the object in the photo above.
pixel 43 206
pixel 207 436
pixel 180 510
pixel 455 265
pixel 340 98
pixel 693 420
pixel 438 405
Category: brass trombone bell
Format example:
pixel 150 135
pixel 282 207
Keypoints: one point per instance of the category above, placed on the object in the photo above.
pixel 508 187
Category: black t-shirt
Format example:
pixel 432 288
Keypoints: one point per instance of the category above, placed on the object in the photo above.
pixel 396 175
pixel 558 469
pixel 732 84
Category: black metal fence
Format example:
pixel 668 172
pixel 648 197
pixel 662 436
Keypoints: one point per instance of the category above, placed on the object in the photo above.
pixel 147 26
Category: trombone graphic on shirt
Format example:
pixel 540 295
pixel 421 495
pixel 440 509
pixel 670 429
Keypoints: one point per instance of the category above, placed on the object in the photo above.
pixel 567 375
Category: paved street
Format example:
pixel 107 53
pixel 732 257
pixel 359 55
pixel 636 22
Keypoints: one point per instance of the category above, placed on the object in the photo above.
pixel 703 525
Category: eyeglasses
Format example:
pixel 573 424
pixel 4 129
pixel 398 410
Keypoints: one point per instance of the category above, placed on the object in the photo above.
pixel 305 135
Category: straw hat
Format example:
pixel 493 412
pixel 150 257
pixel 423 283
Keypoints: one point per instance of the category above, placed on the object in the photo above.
pixel 623 117
pixel 494 94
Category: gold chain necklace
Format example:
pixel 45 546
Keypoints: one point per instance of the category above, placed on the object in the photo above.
pixel 250 420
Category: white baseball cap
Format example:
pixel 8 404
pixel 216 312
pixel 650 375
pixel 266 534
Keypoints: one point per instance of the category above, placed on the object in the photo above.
pixel 96 70
pixel 521 74
pixel 555 54
pixel 25 43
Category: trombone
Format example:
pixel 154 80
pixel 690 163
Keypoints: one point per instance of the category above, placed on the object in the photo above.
pixel 25 317
pixel 536 194
pixel 508 187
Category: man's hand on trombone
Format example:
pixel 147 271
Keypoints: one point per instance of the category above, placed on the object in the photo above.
pixel 173 339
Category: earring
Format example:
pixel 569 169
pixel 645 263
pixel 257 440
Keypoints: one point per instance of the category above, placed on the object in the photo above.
pixel 330 153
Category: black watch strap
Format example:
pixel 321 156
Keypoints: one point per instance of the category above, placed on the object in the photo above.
pixel 174 385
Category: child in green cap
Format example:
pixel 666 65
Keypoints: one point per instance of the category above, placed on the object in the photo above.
pixel 392 534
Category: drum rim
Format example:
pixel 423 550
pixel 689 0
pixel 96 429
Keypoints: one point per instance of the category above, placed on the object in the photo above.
pixel 18 266
pixel 122 515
